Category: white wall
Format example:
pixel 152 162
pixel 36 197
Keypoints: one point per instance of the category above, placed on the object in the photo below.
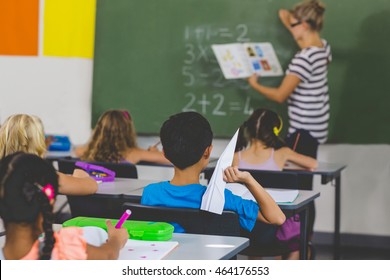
pixel 59 91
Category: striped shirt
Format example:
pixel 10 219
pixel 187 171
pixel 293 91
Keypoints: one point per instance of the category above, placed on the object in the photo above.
pixel 308 105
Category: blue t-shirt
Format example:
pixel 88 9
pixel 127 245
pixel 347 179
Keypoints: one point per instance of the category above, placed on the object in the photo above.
pixel 190 196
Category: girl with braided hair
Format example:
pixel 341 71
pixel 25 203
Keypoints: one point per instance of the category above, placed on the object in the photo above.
pixel 28 187
pixel 260 147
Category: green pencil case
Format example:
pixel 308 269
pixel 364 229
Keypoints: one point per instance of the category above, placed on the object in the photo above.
pixel 140 230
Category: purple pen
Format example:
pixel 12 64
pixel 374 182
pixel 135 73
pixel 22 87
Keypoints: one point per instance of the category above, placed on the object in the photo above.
pixel 124 217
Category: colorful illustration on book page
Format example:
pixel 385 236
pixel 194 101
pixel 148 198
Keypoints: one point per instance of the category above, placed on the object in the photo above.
pixel 232 60
pixel 263 59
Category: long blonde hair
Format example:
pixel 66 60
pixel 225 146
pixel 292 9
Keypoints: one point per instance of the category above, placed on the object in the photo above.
pixel 112 136
pixel 22 133
pixel 310 11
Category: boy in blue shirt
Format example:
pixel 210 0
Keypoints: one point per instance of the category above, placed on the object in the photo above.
pixel 186 139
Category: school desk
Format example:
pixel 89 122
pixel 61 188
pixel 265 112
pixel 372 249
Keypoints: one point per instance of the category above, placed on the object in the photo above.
pixel 298 206
pixel 123 189
pixel 329 172
pixel 197 246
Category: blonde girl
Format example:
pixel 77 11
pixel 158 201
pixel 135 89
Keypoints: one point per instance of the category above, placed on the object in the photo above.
pixel 25 133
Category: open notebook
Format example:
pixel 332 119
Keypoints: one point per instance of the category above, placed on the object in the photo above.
pixel 280 196
pixel 134 249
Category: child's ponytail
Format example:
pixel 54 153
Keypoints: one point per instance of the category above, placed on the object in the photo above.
pixel 242 140
pixel 47 225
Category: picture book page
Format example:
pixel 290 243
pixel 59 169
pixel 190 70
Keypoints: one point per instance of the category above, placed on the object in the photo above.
pixel 263 59
pixel 233 60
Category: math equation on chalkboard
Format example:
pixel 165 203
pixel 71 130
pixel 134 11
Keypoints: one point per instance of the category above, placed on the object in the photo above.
pixel 208 91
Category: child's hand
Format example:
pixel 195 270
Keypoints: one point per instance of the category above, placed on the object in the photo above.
pixel 119 235
pixel 79 173
pixel 153 149
pixel 232 175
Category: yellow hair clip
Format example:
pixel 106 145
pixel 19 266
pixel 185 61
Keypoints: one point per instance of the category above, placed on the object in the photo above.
pixel 278 130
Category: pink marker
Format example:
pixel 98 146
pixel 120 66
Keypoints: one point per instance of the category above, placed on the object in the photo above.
pixel 124 217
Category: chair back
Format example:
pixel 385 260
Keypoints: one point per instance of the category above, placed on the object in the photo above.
pixel 192 220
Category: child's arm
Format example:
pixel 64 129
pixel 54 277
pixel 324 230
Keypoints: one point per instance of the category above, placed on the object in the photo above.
pixel 270 212
pixel 235 159
pixel 117 238
pixel 78 184
pixel 299 159
pixel 156 156
pixel 79 151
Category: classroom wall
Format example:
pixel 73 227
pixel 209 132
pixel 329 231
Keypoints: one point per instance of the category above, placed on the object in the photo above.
pixel 55 89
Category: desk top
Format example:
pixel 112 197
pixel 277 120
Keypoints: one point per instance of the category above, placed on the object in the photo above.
pixel 304 197
pixel 122 186
pixel 324 168
pixel 206 247
pixel 197 246
pixel 133 189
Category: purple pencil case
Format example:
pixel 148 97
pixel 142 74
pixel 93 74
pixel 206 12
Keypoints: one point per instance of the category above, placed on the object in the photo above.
pixel 99 173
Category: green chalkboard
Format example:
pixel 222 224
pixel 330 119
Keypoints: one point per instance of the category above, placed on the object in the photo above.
pixel 154 58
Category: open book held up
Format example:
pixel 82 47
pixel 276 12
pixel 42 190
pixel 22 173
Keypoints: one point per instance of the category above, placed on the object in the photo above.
pixel 241 60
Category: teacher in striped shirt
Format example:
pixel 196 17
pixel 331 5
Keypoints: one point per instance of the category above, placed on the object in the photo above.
pixel 305 85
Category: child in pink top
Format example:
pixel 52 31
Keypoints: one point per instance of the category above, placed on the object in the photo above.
pixel 28 187
pixel 259 147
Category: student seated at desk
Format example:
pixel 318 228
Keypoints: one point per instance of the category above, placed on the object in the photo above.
pixel 186 139
pixel 28 187
pixel 24 133
pixel 114 140
pixel 260 147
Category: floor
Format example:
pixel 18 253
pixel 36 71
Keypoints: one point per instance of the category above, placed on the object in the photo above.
pixel 324 252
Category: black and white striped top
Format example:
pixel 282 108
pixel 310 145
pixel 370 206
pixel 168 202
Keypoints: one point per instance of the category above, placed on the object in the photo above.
pixel 308 105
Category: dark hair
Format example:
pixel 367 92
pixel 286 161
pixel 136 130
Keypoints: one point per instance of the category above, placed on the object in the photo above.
pixel 185 137
pixel 263 125
pixel 22 177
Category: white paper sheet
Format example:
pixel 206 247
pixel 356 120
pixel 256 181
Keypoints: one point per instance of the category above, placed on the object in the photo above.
pixel 280 196
pixel 213 199
pixel 146 250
